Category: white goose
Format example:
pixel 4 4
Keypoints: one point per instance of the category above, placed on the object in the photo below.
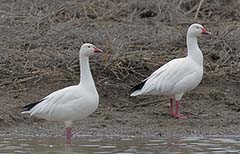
pixel 71 103
pixel 177 76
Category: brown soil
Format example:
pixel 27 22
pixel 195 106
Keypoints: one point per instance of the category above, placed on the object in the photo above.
pixel 39 43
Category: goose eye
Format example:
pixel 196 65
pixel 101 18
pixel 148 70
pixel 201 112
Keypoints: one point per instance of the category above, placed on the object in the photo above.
pixel 197 27
pixel 88 46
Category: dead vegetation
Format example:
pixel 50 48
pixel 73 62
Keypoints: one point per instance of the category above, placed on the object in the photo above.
pixel 40 40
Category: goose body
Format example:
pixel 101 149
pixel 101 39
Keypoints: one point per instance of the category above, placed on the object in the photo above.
pixel 175 77
pixel 68 104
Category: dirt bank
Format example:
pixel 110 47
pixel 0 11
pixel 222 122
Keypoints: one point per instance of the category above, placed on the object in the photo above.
pixel 39 43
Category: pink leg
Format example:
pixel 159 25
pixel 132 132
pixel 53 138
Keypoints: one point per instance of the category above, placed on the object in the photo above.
pixel 68 134
pixel 177 114
pixel 171 107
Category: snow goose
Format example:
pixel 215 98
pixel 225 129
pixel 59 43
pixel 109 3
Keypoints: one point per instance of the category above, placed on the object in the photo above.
pixel 178 75
pixel 71 103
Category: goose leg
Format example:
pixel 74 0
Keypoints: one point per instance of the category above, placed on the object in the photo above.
pixel 171 107
pixel 177 114
pixel 68 134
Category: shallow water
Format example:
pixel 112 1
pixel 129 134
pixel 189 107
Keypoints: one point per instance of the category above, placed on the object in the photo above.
pixel 116 145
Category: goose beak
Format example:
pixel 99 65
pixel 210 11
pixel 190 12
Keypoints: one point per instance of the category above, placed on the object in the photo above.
pixel 97 50
pixel 204 31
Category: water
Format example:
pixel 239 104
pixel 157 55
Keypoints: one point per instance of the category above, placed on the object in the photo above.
pixel 116 145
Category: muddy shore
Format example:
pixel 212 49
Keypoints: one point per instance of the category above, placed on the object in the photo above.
pixel 39 43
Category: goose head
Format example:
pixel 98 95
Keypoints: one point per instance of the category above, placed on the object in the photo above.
pixel 88 49
pixel 197 30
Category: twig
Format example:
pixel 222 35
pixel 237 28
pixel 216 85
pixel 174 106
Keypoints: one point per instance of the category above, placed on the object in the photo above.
pixel 191 10
pixel 198 9
pixel 26 79
pixel 138 105
pixel 18 90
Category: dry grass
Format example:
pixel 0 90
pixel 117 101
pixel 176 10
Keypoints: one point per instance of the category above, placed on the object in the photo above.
pixel 137 36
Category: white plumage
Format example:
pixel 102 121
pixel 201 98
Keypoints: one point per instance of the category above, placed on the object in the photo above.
pixel 68 104
pixel 177 76
pixel 172 78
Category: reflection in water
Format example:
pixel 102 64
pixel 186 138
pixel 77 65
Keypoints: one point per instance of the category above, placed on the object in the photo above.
pixel 105 145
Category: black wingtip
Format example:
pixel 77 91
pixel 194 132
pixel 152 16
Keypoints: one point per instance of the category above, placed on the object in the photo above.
pixel 138 87
pixel 28 107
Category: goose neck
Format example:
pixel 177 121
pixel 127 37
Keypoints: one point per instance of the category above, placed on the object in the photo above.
pixel 86 78
pixel 194 51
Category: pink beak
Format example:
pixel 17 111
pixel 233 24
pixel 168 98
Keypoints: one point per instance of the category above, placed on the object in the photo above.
pixel 204 31
pixel 97 50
